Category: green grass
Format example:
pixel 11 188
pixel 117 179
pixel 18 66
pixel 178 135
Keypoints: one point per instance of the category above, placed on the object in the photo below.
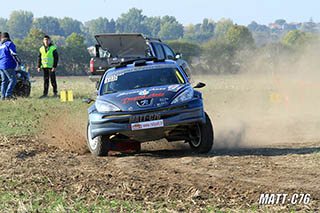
pixel 55 202
pixel 14 195
pixel 316 155
pixel 26 116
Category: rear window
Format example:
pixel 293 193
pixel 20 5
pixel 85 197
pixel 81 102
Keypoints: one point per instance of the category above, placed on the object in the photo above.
pixel 141 77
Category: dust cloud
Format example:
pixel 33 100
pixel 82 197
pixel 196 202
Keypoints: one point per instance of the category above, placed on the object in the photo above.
pixel 66 132
pixel 266 103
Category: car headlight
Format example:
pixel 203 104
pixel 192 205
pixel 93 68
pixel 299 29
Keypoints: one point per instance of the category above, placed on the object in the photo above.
pixel 103 106
pixel 185 96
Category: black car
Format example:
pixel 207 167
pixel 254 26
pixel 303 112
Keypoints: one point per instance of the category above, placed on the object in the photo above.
pixel 116 48
pixel 146 100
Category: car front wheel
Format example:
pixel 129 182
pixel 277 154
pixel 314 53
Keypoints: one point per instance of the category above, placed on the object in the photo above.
pixel 100 145
pixel 201 137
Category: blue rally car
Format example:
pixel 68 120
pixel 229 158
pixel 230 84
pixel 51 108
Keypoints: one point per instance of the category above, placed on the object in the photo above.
pixel 146 100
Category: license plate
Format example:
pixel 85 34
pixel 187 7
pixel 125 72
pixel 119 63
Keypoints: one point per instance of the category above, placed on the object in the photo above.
pixel 147 125
pixel 144 117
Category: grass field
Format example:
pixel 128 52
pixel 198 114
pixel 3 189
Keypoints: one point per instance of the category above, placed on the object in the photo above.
pixel 27 116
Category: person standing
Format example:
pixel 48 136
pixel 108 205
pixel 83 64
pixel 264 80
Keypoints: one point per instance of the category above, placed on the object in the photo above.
pixel 48 61
pixel 9 61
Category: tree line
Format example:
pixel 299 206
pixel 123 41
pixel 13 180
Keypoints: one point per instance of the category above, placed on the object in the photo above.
pixel 210 47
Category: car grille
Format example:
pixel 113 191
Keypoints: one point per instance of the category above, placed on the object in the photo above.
pixel 124 118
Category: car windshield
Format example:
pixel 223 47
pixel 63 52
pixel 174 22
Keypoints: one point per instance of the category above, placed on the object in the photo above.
pixel 140 77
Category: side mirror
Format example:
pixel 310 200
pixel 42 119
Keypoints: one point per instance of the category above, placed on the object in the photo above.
pixel 178 55
pixel 199 85
pixel 87 100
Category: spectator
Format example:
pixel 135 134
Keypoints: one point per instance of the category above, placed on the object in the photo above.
pixel 8 62
pixel 48 61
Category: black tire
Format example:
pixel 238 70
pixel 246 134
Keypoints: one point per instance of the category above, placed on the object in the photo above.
pixel 99 146
pixel 22 89
pixel 202 137
pixel 27 90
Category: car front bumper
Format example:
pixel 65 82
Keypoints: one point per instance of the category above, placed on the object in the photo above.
pixel 173 115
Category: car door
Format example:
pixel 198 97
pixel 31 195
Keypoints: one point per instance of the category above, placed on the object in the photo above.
pixel 158 50
pixel 170 54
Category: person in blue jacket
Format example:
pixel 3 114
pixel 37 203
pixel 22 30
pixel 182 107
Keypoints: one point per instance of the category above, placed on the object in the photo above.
pixel 8 63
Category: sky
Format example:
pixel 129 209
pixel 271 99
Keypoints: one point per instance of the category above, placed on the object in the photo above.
pixel 187 12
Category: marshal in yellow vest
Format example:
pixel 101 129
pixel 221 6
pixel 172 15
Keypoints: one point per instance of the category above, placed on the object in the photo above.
pixel 47 58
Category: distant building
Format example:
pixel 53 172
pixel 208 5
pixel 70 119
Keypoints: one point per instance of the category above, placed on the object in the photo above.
pixel 275 26
pixel 296 24
pixel 317 26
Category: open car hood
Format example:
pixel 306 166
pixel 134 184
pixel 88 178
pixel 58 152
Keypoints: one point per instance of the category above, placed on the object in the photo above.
pixel 123 45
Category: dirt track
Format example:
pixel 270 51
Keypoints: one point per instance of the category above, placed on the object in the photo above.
pixel 224 178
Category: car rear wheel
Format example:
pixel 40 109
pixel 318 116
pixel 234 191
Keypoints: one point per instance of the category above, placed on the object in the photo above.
pixel 100 145
pixel 201 137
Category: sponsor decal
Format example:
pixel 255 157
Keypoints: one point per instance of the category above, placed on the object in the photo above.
pixel 163 99
pixel 111 79
pixel 136 126
pixel 144 102
pixel 147 125
pixel 163 102
pixel 127 93
pixel 153 95
pixel 174 88
pixel 143 92
pixel 157 89
pixel 138 91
